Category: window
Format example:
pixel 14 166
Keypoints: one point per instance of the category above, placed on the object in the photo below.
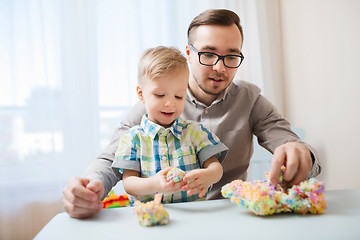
pixel 68 72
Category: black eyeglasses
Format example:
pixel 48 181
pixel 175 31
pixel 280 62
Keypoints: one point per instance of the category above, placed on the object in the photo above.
pixel 210 59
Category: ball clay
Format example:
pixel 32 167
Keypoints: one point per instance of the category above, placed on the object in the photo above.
pixel 263 198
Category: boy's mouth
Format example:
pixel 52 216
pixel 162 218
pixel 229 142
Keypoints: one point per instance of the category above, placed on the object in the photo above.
pixel 167 114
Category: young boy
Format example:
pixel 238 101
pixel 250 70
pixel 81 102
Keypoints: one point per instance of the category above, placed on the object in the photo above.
pixel 163 140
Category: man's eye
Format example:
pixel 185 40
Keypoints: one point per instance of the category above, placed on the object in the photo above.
pixel 177 97
pixel 209 55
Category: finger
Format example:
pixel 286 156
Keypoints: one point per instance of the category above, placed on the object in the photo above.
pixel 190 176
pixel 193 186
pixel 202 193
pixel 165 170
pixel 77 187
pixel 78 202
pixel 172 186
pixel 190 184
pixel 97 187
pixel 304 169
pixel 194 190
pixel 78 212
pixel 277 162
pixel 292 164
pixel 179 184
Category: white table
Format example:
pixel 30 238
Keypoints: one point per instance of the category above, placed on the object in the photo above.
pixel 217 219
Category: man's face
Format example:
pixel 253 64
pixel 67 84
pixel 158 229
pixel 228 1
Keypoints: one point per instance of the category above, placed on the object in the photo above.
pixel 222 40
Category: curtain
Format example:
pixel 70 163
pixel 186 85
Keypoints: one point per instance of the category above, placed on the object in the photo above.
pixel 68 71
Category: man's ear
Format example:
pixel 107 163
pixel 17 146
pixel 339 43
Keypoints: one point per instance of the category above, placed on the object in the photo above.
pixel 187 51
pixel 140 93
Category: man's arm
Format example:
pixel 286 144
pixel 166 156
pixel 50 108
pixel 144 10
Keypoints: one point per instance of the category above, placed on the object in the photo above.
pixel 82 196
pixel 273 131
pixel 100 168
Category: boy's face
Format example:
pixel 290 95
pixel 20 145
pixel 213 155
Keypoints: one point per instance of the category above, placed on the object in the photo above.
pixel 164 97
pixel 222 40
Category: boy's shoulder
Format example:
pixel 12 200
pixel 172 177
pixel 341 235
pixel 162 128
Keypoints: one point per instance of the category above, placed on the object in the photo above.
pixel 192 125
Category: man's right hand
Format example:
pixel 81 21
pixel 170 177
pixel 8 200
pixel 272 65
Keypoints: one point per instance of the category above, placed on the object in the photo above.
pixel 82 197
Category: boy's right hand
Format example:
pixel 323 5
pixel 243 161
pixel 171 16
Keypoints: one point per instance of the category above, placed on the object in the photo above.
pixel 164 185
pixel 82 197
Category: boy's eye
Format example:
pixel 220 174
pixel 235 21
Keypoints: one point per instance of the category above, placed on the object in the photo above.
pixel 159 95
pixel 178 97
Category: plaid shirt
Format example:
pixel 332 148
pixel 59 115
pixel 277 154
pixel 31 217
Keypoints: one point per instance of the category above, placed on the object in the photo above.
pixel 149 147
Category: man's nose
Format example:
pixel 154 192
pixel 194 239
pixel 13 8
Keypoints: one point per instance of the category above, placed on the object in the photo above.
pixel 219 66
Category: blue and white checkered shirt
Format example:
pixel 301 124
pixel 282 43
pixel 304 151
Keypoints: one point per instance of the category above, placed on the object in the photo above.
pixel 149 147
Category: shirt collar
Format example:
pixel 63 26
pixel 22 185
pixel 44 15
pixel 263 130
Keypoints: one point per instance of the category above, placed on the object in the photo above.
pixel 152 129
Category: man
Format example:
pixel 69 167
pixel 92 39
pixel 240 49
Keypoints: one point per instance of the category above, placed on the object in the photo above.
pixel 233 111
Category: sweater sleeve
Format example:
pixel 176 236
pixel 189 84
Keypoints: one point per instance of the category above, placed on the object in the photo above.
pixel 100 168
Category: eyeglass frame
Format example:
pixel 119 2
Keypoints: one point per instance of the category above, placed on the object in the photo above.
pixel 219 57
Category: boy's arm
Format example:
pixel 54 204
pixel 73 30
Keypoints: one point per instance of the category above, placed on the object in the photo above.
pixel 138 186
pixel 199 180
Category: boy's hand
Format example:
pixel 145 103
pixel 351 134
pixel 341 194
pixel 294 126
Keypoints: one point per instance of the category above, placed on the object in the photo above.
pixel 197 181
pixel 164 186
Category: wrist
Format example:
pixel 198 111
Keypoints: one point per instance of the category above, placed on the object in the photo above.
pixel 215 172
pixel 153 184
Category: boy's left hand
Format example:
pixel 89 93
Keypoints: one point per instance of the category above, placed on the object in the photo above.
pixel 196 181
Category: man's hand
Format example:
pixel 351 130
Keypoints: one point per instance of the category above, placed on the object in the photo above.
pixel 296 157
pixel 82 197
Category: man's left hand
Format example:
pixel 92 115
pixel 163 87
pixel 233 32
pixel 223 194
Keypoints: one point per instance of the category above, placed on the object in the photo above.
pixel 296 157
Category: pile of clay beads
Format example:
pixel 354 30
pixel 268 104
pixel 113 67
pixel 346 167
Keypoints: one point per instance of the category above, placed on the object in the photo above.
pixel 175 174
pixel 151 213
pixel 263 198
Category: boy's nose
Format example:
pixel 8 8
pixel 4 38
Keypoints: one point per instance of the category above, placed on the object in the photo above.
pixel 169 103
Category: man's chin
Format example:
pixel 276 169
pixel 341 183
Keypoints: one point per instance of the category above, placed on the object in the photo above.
pixel 213 91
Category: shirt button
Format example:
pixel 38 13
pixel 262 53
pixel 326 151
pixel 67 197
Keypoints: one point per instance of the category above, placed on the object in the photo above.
pixel 164 158
pixel 206 111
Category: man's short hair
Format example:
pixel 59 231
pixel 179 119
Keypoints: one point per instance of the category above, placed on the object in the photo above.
pixel 158 61
pixel 221 17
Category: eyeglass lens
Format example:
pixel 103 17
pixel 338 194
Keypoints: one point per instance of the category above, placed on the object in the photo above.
pixel 212 59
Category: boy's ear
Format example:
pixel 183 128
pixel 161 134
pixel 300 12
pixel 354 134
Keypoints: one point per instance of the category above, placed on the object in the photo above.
pixel 140 93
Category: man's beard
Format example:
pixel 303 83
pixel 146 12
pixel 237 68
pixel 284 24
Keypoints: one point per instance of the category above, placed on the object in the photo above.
pixel 205 90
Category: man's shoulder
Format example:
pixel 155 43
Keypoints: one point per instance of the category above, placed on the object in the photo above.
pixel 241 85
pixel 135 114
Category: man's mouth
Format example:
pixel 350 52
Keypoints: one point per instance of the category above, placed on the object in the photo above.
pixel 216 79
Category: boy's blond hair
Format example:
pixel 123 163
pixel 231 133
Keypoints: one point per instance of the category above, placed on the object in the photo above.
pixel 158 61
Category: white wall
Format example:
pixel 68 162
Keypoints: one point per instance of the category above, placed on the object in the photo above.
pixel 321 41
